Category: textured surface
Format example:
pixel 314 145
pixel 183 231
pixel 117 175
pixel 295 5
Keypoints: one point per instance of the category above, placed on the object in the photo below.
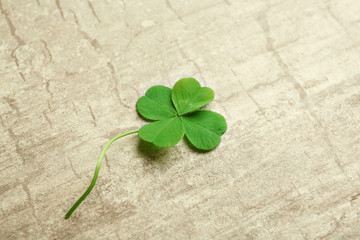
pixel 286 76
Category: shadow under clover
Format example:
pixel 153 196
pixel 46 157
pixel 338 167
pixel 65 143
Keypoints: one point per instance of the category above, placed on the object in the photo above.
pixel 152 154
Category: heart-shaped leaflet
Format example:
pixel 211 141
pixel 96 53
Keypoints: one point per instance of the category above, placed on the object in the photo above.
pixel 188 95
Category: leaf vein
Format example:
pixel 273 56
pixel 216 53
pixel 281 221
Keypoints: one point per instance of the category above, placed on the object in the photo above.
pixel 188 119
pixel 173 112
pixel 162 128
pixel 191 100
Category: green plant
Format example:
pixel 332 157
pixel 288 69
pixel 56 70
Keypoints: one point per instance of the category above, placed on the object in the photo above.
pixel 174 113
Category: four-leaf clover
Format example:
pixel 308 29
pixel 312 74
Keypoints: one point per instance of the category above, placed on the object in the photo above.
pixel 176 112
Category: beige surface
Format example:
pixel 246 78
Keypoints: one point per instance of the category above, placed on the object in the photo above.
pixel 286 76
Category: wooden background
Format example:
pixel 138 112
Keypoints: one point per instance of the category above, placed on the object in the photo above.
pixel 286 74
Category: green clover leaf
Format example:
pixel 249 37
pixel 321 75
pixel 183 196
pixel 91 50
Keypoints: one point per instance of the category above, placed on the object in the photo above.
pixel 189 96
pixel 174 113
pixel 163 133
pixel 156 104
pixel 202 128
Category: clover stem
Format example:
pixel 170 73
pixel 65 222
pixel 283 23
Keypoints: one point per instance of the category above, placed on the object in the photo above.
pixel 97 169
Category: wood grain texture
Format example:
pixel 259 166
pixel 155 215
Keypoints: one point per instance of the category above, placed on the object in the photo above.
pixel 286 76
